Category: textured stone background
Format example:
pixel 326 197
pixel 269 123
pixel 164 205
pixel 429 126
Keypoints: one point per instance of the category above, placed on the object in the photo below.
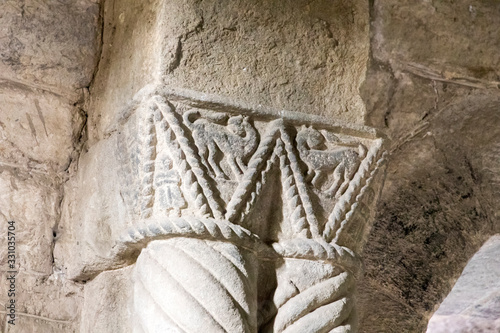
pixel 433 87
pixel 307 56
pixel 48 54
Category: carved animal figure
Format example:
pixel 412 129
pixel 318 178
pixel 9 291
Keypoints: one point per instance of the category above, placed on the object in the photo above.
pixel 344 160
pixel 234 137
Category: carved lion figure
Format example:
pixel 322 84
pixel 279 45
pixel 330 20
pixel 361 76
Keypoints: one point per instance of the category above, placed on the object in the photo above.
pixel 344 160
pixel 217 133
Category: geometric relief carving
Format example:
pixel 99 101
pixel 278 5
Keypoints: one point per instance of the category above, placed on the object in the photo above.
pixel 276 189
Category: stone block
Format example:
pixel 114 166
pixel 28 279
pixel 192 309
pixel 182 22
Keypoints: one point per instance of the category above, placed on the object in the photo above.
pixel 233 50
pixel 94 212
pixel 107 302
pixel 455 41
pixel 52 45
pixel 30 201
pixel 38 129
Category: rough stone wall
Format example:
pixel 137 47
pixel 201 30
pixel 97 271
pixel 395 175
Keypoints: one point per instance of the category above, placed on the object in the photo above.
pixel 48 52
pixel 432 86
pixel 227 53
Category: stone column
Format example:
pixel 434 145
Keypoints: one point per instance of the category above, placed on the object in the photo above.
pixel 235 160
pixel 195 285
pixel 317 277
pixel 209 210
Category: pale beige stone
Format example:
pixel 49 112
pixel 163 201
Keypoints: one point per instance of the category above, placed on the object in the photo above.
pixel 51 45
pixel 93 213
pixel 39 129
pixel 44 303
pixel 233 50
pixel 473 304
pixel 107 300
pixel 33 203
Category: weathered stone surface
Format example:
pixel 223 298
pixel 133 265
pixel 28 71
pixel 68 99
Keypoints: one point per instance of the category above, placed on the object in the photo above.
pixel 180 170
pixel 51 45
pixel 32 202
pixel 200 285
pixel 463 324
pixel 431 87
pixel 130 59
pixel 107 301
pixel 441 184
pixel 233 49
pixel 94 213
pixel 452 41
pixel 32 199
pixel 48 51
pixel 175 170
pixel 38 129
pixel 45 303
pixel 473 304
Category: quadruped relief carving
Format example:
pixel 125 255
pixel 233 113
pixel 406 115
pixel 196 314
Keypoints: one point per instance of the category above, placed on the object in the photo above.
pixel 246 222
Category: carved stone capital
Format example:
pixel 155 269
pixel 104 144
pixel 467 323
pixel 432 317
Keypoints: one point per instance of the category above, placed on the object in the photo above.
pixel 294 192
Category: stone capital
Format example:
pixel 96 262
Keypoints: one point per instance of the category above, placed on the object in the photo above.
pixel 211 177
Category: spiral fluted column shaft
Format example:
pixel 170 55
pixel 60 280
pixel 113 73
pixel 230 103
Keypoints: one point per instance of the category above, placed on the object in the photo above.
pixel 192 285
pixel 314 297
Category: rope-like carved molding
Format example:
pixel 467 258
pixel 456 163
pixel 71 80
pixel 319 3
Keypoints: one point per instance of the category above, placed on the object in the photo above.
pixel 191 166
pixel 295 180
pixel 347 203
pixel 310 249
pixel 224 163
pixel 278 143
pixel 249 184
pixel 201 228
pixel 358 199
pixel 220 230
pixel 352 170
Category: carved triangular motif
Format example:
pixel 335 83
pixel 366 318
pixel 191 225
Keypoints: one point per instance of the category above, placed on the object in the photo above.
pixel 216 164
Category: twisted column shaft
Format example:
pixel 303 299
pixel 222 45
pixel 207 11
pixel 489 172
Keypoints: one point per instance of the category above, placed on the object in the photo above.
pixel 192 285
pixel 313 297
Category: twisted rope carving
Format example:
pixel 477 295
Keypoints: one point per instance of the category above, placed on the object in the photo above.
pixel 297 218
pixel 322 306
pixel 358 199
pixel 188 256
pixel 249 181
pixel 296 189
pixel 200 228
pixel 166 286
pixel 310 249
pixel 347 203
pixel 260 182
pixel 204 195
pixel 147 155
